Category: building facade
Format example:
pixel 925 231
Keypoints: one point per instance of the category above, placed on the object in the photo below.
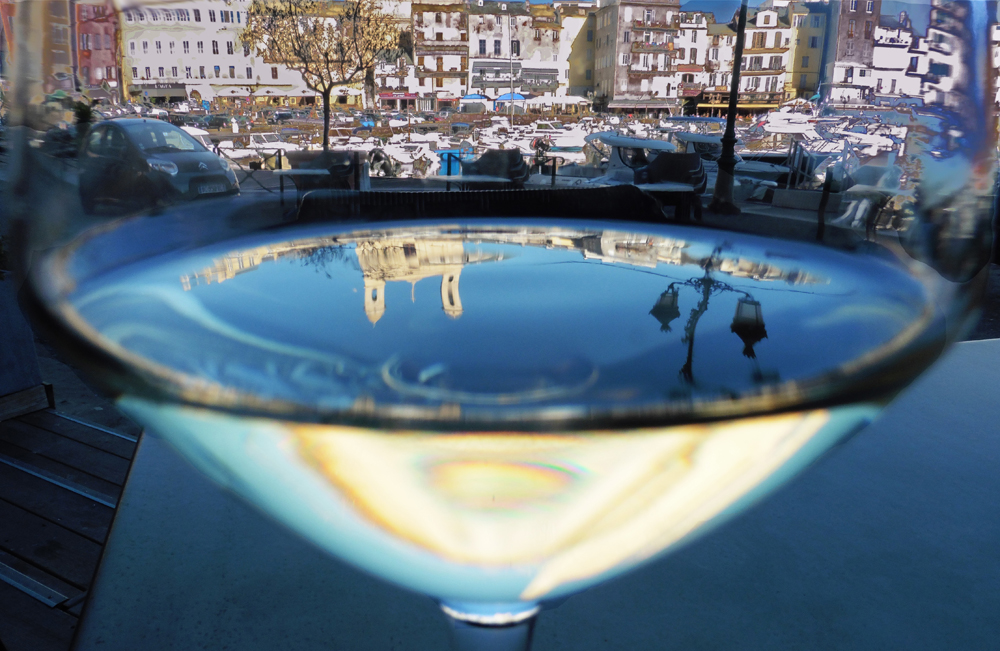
pixel 441 51
pixel 192 50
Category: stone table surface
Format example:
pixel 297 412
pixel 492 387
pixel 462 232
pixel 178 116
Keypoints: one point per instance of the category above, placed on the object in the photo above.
pixel 892 541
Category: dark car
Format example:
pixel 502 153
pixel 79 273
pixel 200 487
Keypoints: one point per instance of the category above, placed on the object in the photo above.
pixel 142 163
pixel 279 117
pixel 217 121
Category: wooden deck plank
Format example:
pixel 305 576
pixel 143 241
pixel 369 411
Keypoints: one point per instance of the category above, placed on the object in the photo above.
pixel 74 512
pixel 78 432
pixel 29 625
pixel 57 550
pixel 37 583
pixel 106 488
pixel 66 451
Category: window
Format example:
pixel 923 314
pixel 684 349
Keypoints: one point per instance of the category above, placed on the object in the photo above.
pixel 647 37
pixel 862 73
pixel 229 47
pixel 714 54
pixel 805 62
pixel 814 42
pixel 798 21
pixel 440 64
pixel 849 48
pixel 482 47
pixel 154 15
pixel 758 40
pixel 626 36
pixel 625 59
pixel 439 36
pixel 171 47
pixel 201 71
pixel 694 36
pixel 513 21
pixel 623 85
pixel 851 25
pixel 538 34
pixel 201 47
pixel 246 50
pixel 224 16
pixel 815 21
pixel 694 55
pixel 145 47
pixel 158 48
pixel 197 19
pixel 753 83
pixel 85 73
pixel 439 82
pixel 854 5
pixel 939 69
pixel 775 63
pixel 218 71
pixel 232 72
pixel 107 41
pixel 215 47
pixel 135 72
pixel 438 19
pixel 590 35
pixel 187 72
pixel 249 73
pixel 644 61
pixel 211 14
pixel 420 62
pixel 515 48
pixel 131 47
pixel 168 14
pixel 648 17
pixel 183 15
pixel 173 71
pixel 687 79
pixel 496 48
pixel 802 80
pixel 870 6
pixel 148 76
pixel 589 75
pixel 869 28
pixel 274 72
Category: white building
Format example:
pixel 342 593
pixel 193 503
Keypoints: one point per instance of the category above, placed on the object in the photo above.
pixel 192 50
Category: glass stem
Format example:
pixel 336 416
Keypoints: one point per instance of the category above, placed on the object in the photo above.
pixel 468 636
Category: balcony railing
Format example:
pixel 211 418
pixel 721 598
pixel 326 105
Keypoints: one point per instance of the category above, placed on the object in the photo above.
pixel 442 73
pixel 642 46
pixel 675 23
pixel 689 89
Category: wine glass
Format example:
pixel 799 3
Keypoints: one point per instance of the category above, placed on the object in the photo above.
pixel 499 398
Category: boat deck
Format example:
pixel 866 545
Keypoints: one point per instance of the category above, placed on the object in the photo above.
pixel 60 481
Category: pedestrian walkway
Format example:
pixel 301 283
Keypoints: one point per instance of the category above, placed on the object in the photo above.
pixel 60 481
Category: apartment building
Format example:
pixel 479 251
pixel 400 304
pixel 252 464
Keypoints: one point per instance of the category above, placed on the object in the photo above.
pixel 805 58
pixel 192 50
pixel 851 48
pixel 441 51
pixel 635 72
pixel 577 21
pixel 97 48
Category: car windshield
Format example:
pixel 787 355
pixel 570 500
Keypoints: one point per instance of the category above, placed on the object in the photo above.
pixel 270 137
pixel 153 137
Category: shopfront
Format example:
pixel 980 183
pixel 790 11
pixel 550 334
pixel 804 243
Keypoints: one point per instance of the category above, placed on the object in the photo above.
pixel 397 100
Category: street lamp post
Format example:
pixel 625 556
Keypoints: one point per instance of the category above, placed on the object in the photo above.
pixel 722 197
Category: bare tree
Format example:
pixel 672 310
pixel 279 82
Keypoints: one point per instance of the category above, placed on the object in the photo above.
pixel 329 44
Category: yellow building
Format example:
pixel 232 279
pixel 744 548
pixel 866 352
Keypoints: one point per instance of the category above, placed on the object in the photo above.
pixel 806 57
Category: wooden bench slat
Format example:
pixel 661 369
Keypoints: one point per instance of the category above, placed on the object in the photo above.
pixel 107 489
pixel 29 625
pixel 58 505
pixel 66 451
pixel 57 550
pixel 81 433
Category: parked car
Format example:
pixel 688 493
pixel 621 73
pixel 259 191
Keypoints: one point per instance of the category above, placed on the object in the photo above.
pixel 279 117
pixel 142 163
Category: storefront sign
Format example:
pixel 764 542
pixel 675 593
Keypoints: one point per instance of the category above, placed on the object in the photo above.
pixel 397 96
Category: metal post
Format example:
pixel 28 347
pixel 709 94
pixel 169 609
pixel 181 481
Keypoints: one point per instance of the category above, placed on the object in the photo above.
pixel 510 57
pixel 722 197
pixel 281 179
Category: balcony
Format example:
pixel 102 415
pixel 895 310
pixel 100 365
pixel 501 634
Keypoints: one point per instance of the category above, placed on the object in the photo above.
pixel 689 89
pixel 441 73
pixel 765 50
pixel 539 84
pixel 423 48
pixel 762 73
pixel 641 46
pixel 657 24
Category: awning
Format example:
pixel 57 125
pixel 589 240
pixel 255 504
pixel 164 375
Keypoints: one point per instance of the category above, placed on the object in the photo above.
pixel 235 91
pixel 474 96
pixel 157 92
pixel 738 106
pixel 344 90
pixel 397 96
pixel 626 104
pixel 507 97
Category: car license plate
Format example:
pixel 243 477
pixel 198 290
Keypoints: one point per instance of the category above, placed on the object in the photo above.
pixel 209 188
